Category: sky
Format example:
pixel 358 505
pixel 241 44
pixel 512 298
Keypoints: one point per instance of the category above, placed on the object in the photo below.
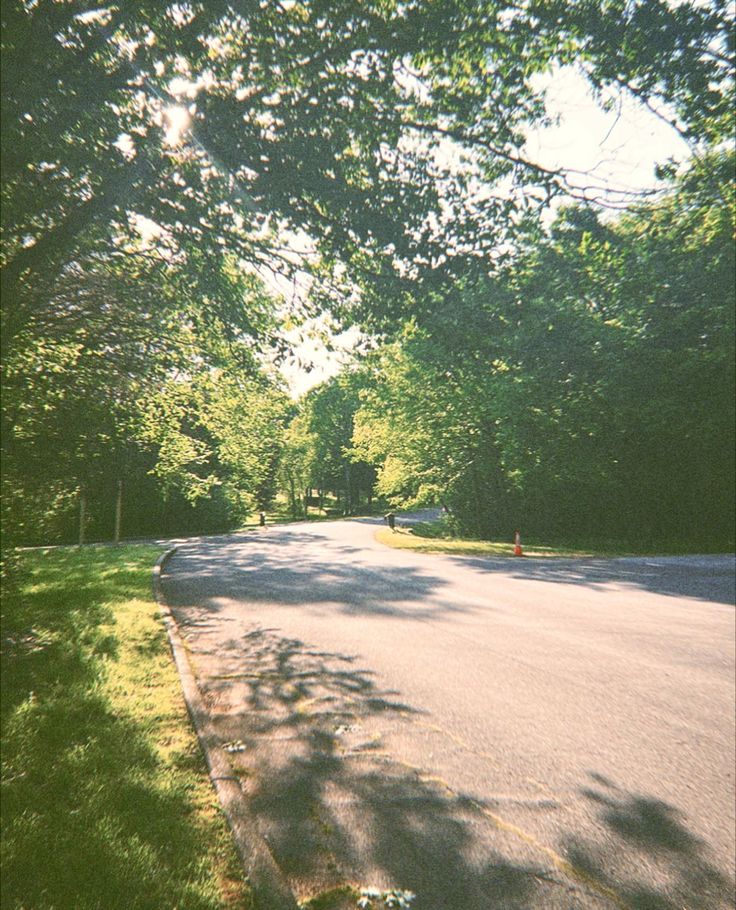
pixel 617 148
pixel 323 363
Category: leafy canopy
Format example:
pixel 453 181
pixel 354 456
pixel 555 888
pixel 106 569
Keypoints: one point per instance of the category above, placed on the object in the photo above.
pixel 587 389
pixel 369 129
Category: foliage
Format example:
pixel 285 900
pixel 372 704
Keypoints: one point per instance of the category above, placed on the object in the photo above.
pixel 160 156
pixel 86 382
pixel 105 798
pixel 328 416
pixel 366 128
pixel 215 430
pixel 298 466
pixel 589 390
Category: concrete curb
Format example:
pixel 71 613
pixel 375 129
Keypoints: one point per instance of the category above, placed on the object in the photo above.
pixel 270 888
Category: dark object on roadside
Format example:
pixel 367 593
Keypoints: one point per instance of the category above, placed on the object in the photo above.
pixel 517 544
pixel 391 519
pixel 262 519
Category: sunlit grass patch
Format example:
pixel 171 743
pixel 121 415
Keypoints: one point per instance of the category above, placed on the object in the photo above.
pixel 436 537
pixel 105 798
pixel 429 537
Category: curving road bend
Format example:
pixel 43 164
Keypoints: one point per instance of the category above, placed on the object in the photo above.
pixel 488 733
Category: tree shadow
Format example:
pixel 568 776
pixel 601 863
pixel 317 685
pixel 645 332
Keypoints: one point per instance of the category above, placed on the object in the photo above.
pixel 708 578
pixel 310 734
pixel 304 726
pixel 46 638
pixel 647 833
pixel 226 561
pixel 86 820
pixel 214 570
pixel 94 814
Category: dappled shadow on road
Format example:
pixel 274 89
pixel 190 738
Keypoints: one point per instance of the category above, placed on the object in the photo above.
pixel 306 727
pixel 312 734
pixel 649 858
pixel 709 578
pixel 326 571
pixel 329 575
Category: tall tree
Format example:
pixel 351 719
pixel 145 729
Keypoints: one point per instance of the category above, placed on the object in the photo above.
pixel 364 127
pixel 329 414
pixel 207 141
pixel 80 388
pixel 588 390
pixel 219 430
pixel 298 466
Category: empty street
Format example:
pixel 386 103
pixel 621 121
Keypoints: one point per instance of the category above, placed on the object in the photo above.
pixel 506 733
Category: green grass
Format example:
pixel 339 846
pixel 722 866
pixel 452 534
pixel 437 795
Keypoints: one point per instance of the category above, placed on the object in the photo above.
pixel 434 537
pixel 426 538
pixel 105 797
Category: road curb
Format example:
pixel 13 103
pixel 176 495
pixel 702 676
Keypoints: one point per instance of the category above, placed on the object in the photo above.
pixel 268 883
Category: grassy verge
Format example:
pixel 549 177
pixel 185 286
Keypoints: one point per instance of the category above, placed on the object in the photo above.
pixel 421 539
pixel 434 537
pixel 105 798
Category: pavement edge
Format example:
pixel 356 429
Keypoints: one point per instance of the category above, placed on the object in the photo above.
pixel 270 889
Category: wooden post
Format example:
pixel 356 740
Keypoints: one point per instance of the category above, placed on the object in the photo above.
pixel 348 510
pixel 118 512
pixel 292 496
pixel 82 514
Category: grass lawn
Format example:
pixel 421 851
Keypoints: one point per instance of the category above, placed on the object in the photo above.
pixel 106 801
pixel 422 538
pixel 433 537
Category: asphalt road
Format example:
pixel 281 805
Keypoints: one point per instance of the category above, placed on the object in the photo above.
pixel 488 733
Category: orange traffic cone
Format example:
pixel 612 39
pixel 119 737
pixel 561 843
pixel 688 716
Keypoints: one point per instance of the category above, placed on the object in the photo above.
pixel 517 544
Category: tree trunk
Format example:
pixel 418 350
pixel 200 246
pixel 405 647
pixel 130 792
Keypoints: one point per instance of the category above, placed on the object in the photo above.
pixel 348 491
pixel 118 512
pixel 292 498
pixel 82 514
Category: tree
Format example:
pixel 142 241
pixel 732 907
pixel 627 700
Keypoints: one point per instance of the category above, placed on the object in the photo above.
pixel 365 128
pixel 589 390
pixel 202 143
pixel 328 413
pixel 429 425
pixel 219 431
pixel 86 372
pixel 298 466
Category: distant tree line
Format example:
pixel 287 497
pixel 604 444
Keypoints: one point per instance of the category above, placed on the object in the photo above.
pixel 318 456
pixel 587 389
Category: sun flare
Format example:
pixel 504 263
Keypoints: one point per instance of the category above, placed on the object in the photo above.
pixel 176 122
